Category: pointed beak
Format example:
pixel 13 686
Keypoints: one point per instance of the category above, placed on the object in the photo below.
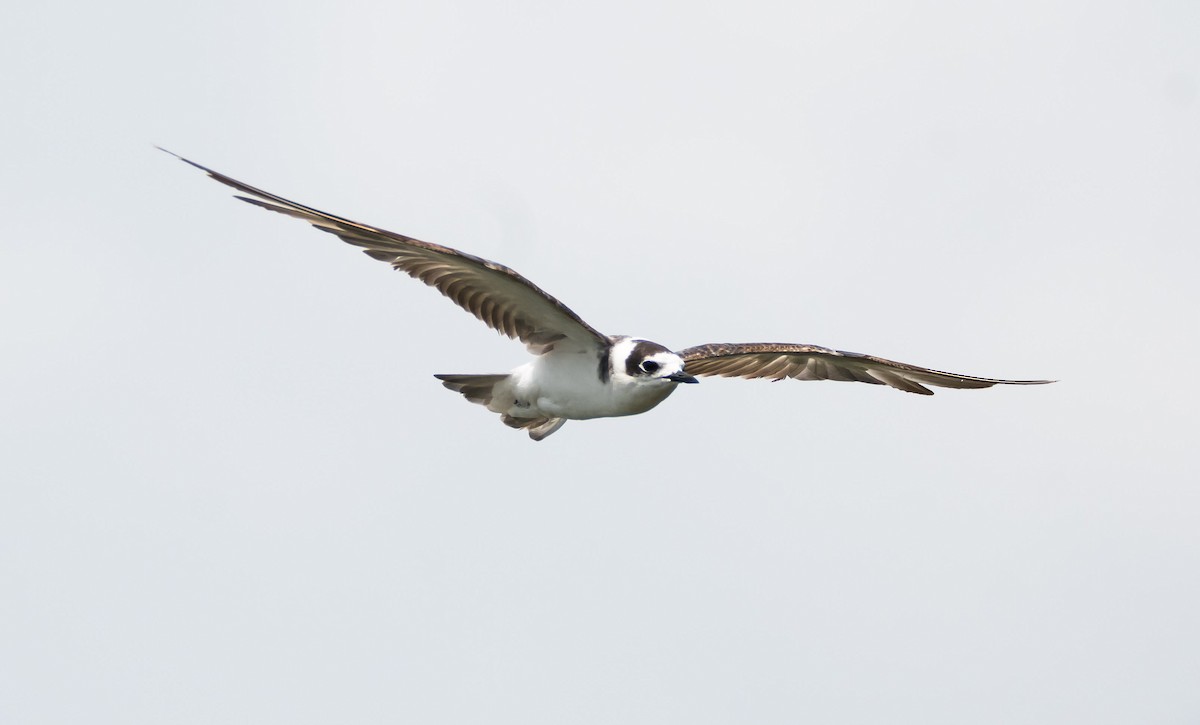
pixel 682 378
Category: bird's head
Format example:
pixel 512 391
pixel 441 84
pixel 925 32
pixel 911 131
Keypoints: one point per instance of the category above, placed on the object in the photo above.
pixel 647 362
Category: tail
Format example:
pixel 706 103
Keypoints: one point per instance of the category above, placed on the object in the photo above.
pixel 495 393
pixel 475 388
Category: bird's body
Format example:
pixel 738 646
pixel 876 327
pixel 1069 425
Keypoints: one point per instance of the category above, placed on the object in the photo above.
pixel 567 384
pixel 571 385
pixel 578 373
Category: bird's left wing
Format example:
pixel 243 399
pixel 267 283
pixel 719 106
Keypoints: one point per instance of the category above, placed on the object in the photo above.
pixel 811 362
pixel 498 296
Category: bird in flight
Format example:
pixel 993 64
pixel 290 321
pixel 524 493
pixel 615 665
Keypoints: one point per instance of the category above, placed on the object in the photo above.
pixel 577 372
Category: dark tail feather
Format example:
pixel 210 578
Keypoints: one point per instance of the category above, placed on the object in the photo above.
pixel 475 388
pixel 482 389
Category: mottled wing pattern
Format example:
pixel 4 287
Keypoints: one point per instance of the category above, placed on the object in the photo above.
pixel 500 297
pixel 811 362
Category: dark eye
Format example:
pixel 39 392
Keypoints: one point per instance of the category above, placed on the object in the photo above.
pixel 649 366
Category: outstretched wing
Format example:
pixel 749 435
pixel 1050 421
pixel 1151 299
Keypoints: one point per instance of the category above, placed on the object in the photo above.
pixel 504 300
pixel 811 362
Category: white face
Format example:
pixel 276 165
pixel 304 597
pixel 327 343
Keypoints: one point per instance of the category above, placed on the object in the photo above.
pixel 646 362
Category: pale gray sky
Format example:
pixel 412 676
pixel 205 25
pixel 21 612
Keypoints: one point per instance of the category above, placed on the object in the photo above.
pixel 232 490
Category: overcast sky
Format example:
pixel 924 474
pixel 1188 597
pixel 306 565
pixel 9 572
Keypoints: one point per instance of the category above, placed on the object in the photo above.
pixel 232 491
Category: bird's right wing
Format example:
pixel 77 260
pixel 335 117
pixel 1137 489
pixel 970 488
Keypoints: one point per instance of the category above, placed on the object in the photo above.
pixel 811 362
pixel 498 296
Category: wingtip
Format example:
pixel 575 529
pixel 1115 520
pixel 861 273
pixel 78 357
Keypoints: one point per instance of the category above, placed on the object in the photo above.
pixel 189 162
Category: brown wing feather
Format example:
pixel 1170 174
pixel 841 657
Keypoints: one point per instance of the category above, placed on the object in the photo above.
pixel 812 362
pixel 498 296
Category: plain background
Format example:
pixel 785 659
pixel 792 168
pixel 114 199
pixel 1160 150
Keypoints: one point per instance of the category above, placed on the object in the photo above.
pixel 232 491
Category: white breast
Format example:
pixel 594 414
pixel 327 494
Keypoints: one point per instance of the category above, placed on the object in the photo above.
pixel 568 385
